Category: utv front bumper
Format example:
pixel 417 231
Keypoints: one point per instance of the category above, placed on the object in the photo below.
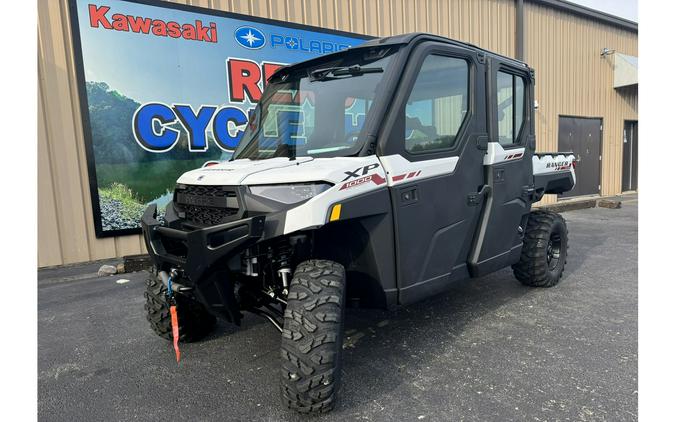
pixel 196 250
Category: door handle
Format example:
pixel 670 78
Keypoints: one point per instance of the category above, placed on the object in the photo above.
pixel 409 196
pixel 476 198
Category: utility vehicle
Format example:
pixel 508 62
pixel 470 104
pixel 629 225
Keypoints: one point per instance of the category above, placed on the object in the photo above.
pixel 372 177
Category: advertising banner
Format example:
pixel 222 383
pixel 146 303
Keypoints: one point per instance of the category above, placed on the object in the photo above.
pixel 165 88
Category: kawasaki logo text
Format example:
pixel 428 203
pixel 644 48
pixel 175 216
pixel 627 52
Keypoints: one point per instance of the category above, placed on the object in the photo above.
pixel 98 17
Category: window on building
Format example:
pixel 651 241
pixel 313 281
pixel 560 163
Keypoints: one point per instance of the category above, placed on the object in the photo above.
pixel 437 104
pixel 510 107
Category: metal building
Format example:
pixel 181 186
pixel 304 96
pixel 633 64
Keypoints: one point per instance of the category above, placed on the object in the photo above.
pixel 586 92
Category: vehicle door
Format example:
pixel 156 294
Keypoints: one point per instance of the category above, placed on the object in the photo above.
pixel 430 150
pixel 507 166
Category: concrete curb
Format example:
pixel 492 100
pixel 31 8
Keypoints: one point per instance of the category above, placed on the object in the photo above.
pixel 569 206
pixel 611 202
pixel 133 263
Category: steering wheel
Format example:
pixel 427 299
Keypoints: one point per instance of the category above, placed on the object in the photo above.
pixel 414 123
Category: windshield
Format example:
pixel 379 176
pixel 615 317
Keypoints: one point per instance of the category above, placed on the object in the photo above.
pixel 318 111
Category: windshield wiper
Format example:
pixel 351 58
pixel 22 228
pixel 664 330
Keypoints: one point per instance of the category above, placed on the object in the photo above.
pixel 336 72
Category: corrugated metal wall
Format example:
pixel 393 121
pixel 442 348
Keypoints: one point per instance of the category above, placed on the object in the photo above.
pixel 65 223
pixel 573 79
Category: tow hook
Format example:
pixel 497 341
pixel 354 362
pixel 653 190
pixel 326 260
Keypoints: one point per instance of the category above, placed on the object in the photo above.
pixel 175 275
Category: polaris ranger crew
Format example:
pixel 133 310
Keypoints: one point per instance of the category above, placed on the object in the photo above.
pixel 375 176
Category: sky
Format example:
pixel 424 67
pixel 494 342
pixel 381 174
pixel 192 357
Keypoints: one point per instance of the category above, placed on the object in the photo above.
pixel 627 9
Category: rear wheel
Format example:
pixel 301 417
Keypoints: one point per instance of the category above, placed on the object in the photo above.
pixel 544 254
pixel 311 343
pixel 194 322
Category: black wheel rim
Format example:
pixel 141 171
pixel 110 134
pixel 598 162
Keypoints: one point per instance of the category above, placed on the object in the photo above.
pixel 553 251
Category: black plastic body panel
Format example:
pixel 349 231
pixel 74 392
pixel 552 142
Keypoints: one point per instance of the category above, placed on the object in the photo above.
pixel 204 247
pixel 363 241
pixel 555 183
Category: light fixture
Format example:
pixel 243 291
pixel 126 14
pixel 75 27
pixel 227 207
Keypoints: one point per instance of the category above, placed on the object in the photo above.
pixel 290 194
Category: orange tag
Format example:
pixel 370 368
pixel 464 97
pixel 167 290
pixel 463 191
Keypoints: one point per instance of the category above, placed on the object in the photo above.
pixel 174 328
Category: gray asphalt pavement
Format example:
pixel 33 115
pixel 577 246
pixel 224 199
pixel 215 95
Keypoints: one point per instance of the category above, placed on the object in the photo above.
pixel 488 349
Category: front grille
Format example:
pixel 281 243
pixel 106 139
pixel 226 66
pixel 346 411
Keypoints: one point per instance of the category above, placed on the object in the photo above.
pixel 207 205
pixel 208 216
pixel 212 191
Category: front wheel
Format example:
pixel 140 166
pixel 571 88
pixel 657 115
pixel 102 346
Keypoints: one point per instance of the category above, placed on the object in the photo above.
pixel 311 343
pixel 194 322
pixel 544 254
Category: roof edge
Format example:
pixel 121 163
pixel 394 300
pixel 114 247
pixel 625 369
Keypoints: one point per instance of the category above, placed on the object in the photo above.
pixel 589 13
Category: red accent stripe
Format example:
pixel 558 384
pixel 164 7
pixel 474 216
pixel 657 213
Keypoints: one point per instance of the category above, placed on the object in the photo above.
pixel 377 179
pixel 411 174
pixel 418 173
pixel 397 178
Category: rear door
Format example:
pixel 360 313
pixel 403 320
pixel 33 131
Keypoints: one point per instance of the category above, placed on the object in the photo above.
pixel 430 151
pixel 507 167
pixel 583 137
pixel 629 178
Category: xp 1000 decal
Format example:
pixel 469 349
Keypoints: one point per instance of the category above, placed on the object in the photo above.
pixel 166 88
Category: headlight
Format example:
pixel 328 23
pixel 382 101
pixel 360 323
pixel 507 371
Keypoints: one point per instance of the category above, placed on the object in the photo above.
pixel 290 194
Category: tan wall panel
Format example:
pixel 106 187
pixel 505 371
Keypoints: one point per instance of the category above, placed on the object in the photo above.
pixel 580 86
pixel 573 79
pixel 49 245
pixel 295 11
pixel 200 3
pixel 60 132
pixel 371 11
pixel 312 12
pixel 130 245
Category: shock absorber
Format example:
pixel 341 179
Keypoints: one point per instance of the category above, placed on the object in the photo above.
pixel 284 253
pixel 285 274
pixel 290 252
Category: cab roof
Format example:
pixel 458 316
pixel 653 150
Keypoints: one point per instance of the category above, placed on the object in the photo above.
pixel 417 36
pixel 403 39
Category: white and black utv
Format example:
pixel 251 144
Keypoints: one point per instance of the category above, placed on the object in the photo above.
pixel 376 176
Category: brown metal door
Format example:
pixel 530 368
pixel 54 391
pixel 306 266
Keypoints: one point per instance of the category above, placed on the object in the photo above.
pixel 629 179
pixel 583 137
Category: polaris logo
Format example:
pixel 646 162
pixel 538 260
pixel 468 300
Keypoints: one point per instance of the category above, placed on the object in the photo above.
pixel 250 37
pixel 254 39
pixel 298 43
